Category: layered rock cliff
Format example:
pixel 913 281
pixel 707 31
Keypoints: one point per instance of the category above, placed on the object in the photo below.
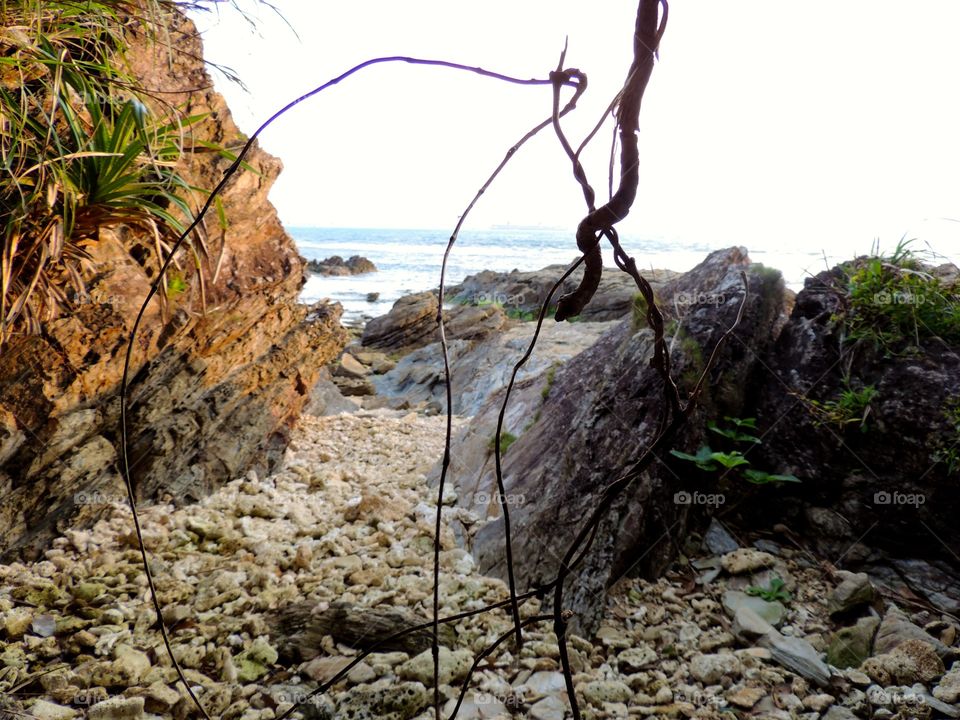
pixel 216 385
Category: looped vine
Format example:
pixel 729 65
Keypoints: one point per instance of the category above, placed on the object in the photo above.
pixel 598 223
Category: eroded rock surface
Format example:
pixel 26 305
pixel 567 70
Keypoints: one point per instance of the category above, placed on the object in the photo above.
pixel 600 410
pixel 213 391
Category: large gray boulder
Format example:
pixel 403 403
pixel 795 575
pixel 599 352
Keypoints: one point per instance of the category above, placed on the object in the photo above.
pixel 577 430
pixel 481 368
pixel 886 483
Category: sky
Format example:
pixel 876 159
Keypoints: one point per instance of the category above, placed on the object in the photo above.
pixel 765 121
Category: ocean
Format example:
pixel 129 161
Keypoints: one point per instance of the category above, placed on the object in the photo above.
pixel 409 261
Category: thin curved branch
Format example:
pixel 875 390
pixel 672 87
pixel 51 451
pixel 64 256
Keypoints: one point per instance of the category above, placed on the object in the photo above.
pixel 154 287
pixel 580 88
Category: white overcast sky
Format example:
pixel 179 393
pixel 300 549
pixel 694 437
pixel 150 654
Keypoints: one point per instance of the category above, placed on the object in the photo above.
pixel 765 120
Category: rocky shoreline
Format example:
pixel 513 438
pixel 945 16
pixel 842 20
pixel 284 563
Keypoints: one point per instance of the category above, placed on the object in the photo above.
pixel 348 519
pixel 273 583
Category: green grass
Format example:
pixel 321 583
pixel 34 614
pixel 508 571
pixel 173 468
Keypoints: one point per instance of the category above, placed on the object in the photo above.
pixel 80 150
pixel 895 304
pixel 506 440
pixel 851 405
pixel 550 377
pixel 946 446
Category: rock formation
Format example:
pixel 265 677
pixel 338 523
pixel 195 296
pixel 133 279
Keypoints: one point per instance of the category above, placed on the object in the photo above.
pixel 336 265
pixel 412 323
pixel 880 478
pixel 576 430
pixel 214 390
pixel 876 490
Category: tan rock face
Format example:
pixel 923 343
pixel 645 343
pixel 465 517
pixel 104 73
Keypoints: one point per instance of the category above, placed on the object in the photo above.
pixel 214 387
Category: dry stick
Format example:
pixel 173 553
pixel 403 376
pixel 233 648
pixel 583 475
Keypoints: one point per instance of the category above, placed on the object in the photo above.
pixel 646 41
pixel 484 653
pixel 448 387
pixel 646 38
pixel 614 490
pixel 154 287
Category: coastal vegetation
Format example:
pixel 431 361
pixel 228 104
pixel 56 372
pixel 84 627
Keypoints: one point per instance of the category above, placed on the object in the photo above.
pixel 278 541
pixel 896 301
pixel 83 146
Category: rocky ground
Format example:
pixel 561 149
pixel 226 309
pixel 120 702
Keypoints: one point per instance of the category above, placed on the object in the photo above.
pixel 347 522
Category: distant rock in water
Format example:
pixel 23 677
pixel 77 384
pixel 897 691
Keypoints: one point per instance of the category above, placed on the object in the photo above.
pixel 336 265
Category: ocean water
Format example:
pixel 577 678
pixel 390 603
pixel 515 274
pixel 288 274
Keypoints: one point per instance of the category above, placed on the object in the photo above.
pixel 409 261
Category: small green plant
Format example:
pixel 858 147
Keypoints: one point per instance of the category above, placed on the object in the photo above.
pixel 506 440
pixel 175 285
pixel 736 433
pixel 852 405
pixel 894 303
pixel 760 477
pixel 774 592
pixel 550 377
pixel 638 312
pixel 710 460
pixel 521 314
pixel 946 448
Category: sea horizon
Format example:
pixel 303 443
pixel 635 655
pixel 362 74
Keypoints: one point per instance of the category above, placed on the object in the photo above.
pixel 409 260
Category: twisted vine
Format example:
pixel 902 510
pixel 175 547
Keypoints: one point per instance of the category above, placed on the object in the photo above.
pixel 597 224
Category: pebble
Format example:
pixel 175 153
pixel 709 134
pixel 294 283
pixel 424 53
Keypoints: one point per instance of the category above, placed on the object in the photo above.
pixel 819 702
pixel 599 692
pixel 746 697
pixel 45 710
pixel 348 516
pixel 117 708
pixel 44 625
pixel 549 708
pixel 709 669
pixel 948 689
pixel 746 560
